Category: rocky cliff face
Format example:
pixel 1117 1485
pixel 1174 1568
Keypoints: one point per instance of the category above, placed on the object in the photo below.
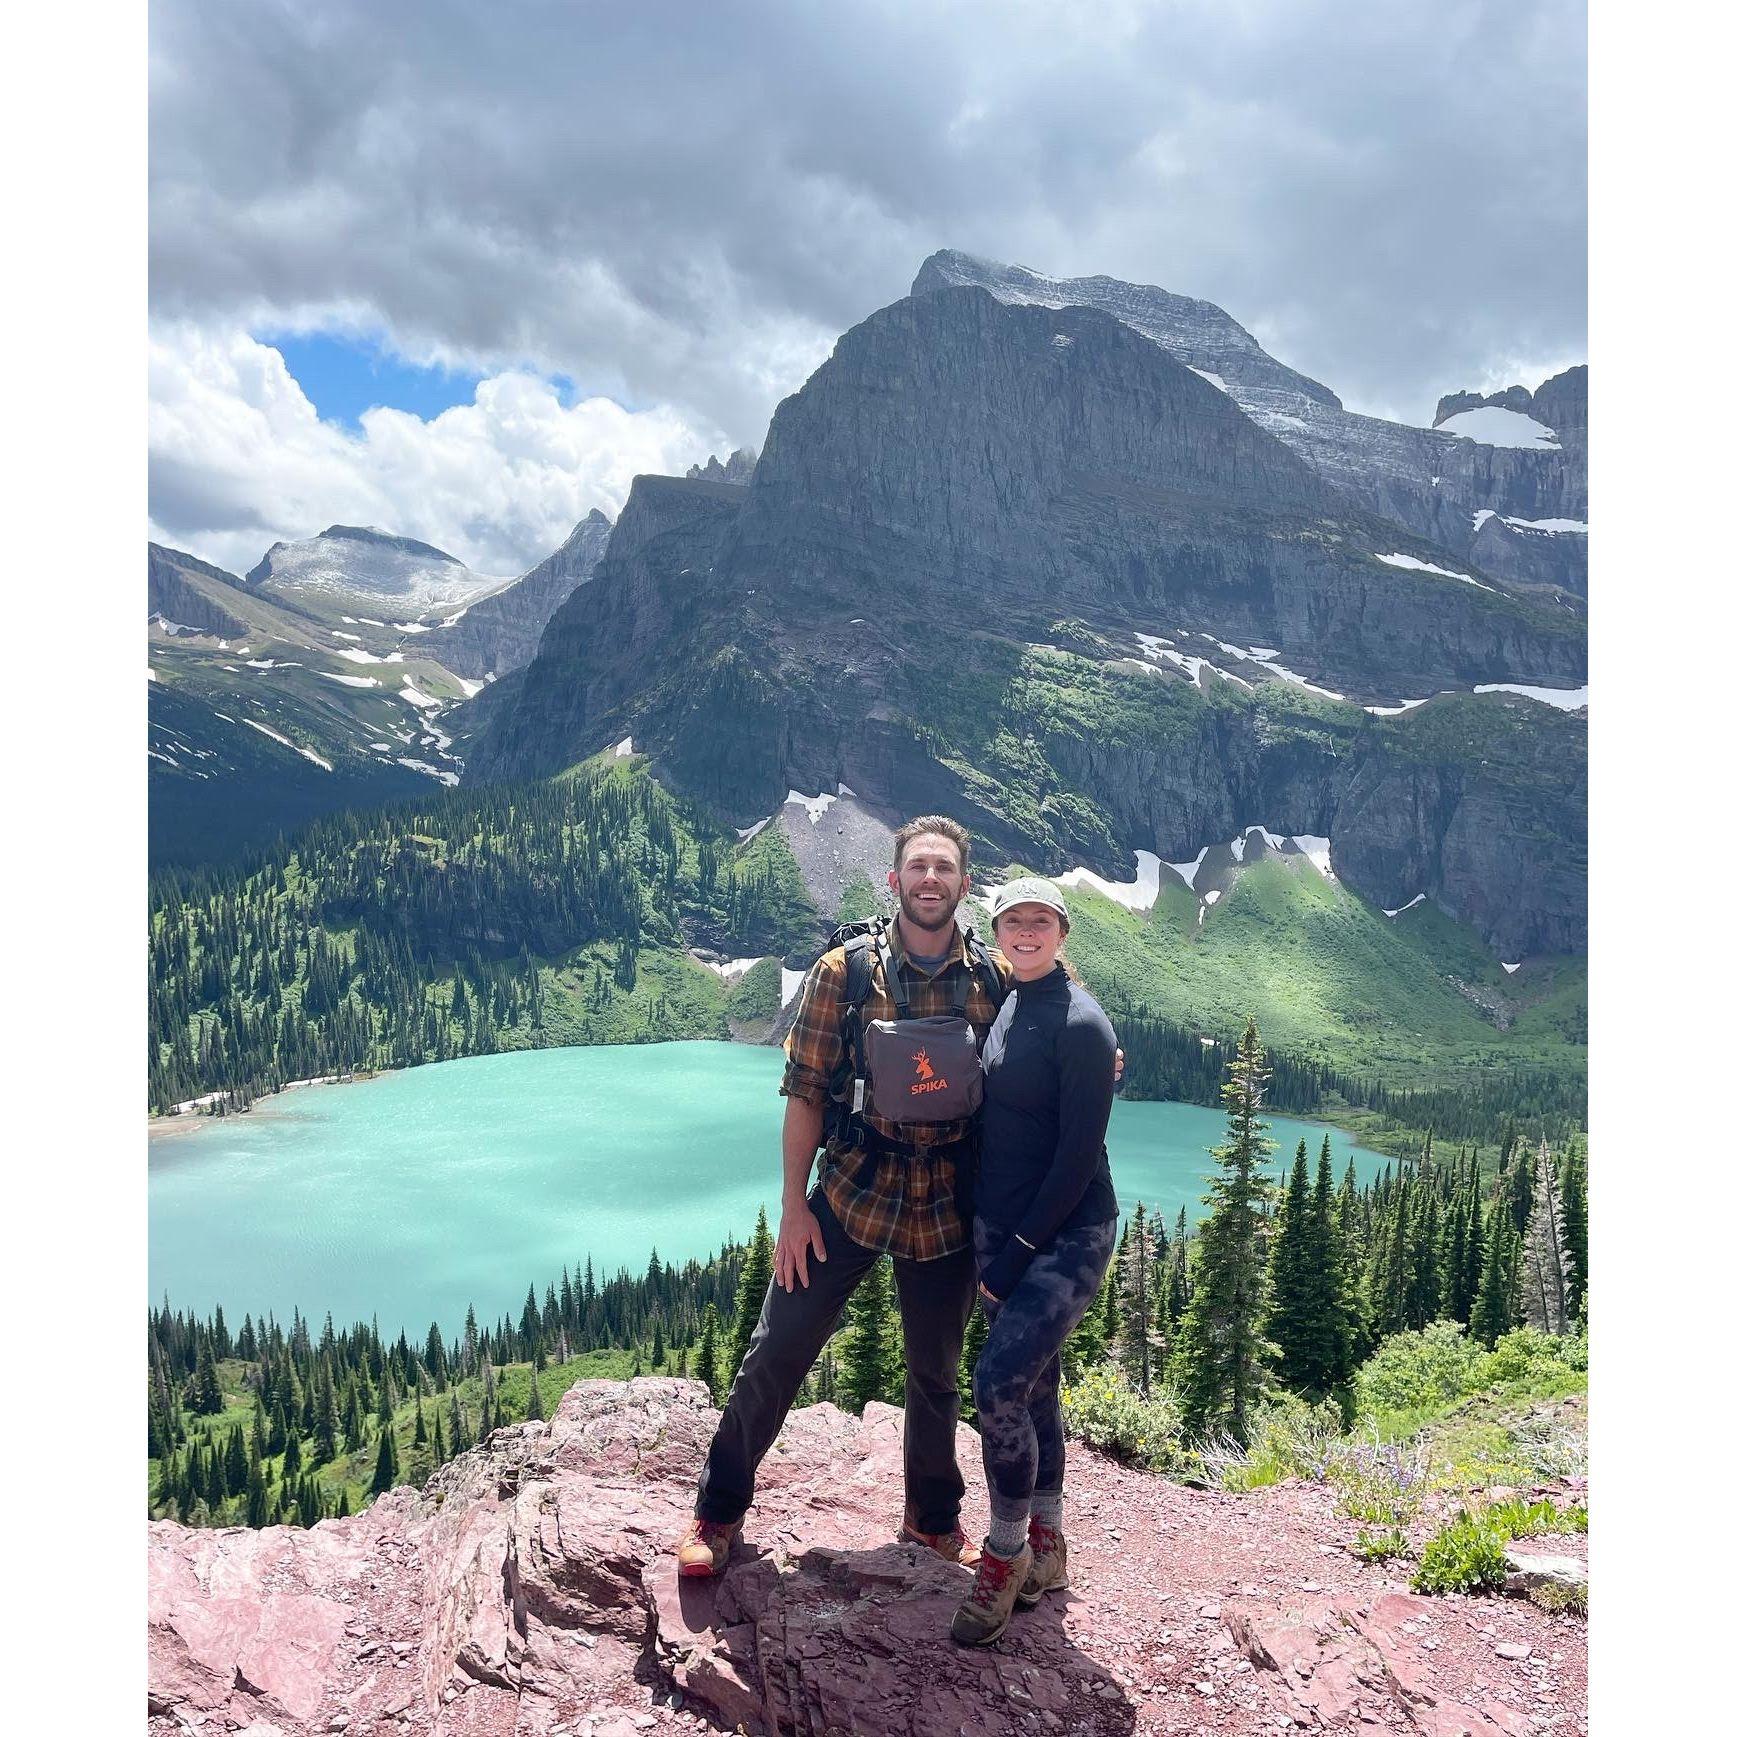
pixel 530 1591
pixel 501 632
pixel 967 482
pixel 1430 482
pixel 189 593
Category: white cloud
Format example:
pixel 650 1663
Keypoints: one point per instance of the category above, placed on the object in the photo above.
pixel 684 204
pixel 240 459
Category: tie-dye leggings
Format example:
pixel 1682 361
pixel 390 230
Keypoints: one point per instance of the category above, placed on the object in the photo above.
pixel 1019 1368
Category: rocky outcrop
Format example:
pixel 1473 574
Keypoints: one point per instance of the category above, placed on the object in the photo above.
pixel 502 631
pixel 1431 483
pixel 529 1589
pixel 737 468
pixel 1509 398
pixel 188 592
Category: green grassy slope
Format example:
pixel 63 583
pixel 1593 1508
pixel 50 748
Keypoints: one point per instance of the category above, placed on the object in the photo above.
pixel 1326 975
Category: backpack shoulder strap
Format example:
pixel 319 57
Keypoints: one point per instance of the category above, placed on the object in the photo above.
pixel 982 968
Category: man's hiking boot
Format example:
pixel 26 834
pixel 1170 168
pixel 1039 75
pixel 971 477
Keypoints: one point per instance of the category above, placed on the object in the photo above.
pixel 988 1605
pixel 1049 1563
pixel 950 1546
pixel 705 1547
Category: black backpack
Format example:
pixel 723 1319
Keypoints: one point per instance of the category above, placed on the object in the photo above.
pixel 847 1093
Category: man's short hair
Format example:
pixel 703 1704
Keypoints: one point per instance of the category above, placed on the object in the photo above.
pixel 942 827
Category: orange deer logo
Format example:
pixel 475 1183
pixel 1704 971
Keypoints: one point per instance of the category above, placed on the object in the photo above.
pixel 924 1070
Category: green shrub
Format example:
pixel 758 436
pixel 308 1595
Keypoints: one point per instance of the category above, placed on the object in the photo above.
pixel 1469 1554
pixel 1379 1546
pixel 1466 1555
pixel 1419 1371
pixel 1534 1364
pixel 1288 1438
pixel 1102 1410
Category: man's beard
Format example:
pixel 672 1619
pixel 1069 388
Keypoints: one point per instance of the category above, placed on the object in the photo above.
pixel 930 925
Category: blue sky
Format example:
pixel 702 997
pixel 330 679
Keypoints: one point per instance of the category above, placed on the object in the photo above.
pixel 343 376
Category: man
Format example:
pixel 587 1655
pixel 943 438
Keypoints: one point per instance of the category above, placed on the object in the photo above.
pixel 899 1193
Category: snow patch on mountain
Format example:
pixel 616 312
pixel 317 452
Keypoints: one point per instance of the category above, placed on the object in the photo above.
pixel 814 805
pixel 306 753
pixel 1563 699
pixel 788 981
pixel 350 681
pixel 730 969
pixel 1491 425
pixel 1139 894
pixel 1556 527
pixel 1415 899
pixel 1412 564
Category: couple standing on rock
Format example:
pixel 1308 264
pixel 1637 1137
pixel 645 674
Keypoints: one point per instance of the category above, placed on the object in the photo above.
pixel 959 1099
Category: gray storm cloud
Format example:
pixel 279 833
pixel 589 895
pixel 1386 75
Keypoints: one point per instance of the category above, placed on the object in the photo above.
pixel 683 204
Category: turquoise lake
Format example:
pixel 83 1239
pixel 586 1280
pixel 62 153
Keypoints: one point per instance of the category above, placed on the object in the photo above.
pixel 411 1195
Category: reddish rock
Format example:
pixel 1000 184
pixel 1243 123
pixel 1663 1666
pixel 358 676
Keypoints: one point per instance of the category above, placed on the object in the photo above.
pixel 530 1590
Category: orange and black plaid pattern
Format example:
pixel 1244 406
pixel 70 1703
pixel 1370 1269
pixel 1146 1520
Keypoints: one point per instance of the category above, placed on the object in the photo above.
pixel 904 1204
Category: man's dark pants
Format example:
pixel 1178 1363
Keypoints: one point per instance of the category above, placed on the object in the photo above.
pixel 934 1305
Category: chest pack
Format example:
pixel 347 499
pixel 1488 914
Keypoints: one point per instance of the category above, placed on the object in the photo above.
pixel 918 1071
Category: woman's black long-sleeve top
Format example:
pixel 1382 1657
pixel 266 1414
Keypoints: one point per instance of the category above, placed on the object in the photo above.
pixel 1049 1068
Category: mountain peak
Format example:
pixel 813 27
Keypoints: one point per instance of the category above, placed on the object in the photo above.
pixel 366 564
pixel 1199 334
pixel 738 468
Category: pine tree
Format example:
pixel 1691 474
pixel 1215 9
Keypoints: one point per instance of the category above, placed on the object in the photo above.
pixel 326 1418
pixel 1137 1336
pixel 1219 1365
pixel 1546 1266
pixel 206 1398
pixel 257 1512
pixel 751 1291
pixel 1291 1324
pixel 1492 1313
pixel 868 1365
pixel 1574 1228
pixel 1335 1331
pixel 535 1413
pixel 706 1353
pixel 385 1464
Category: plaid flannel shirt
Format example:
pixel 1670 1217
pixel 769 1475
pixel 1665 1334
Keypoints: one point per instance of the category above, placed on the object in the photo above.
pixel 904 1204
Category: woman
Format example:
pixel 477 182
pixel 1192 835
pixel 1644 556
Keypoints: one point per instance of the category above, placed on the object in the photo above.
pixel 1045 1229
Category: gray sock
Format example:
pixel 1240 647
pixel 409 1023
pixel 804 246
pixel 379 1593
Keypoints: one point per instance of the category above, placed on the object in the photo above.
pixel 1007 1527
pixel 1046 1508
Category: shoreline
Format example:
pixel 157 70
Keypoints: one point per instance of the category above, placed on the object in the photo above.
pixel 185 1116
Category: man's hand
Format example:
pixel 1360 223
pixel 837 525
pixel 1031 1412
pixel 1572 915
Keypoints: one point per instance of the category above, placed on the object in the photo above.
pixel 798 1232
pixel 1119 1059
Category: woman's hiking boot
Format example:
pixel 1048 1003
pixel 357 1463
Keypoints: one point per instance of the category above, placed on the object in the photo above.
pixel 950 1546
pixel 705 1547
pixel 1049 1563
pixel 988 1605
